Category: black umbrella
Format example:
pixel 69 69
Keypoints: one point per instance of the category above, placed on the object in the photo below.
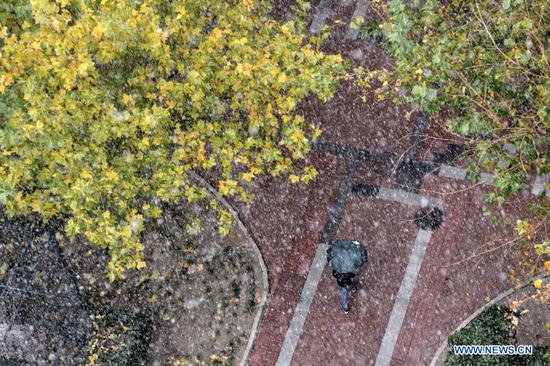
pixel 346 256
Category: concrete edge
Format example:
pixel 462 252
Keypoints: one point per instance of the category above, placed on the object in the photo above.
pixel 265 283
pixel 443 347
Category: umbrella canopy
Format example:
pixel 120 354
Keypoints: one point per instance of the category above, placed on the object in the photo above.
pixel 346 256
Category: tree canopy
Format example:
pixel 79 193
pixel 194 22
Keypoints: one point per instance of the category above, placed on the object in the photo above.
pixel 106 106
pixel 485 63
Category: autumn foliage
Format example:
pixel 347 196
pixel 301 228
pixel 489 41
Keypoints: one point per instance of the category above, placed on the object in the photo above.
pixel 106 106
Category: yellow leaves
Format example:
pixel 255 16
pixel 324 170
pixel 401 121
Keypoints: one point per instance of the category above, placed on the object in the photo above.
pixel 245 69
pixel 249 4
pixel 281 78
pixel 191 194
pixel 181 11
pixel 85 174
pixel 128 100
pixel 141 264
pixel 156 212
pixel 290 103
pixel 215 36
pixel 19 201
pixel 524 227
pixel 298 137
pixel 83 67
pixel 194 76
pixel 161 192
pixel 227 187
pixel 336 58
pixel 287 27
pixel 112 175
pixel 274 71
pixel 294 178
pixel 239 42
pixel 309 174
pixel 356 22
pixel 308 52
pixel 55 24
pixel 36 206
pixel 62 3
pixel 248 176
pixel 197 96
pixel 316 133
pixel 126 232
pixel 5 81
pixel 537 283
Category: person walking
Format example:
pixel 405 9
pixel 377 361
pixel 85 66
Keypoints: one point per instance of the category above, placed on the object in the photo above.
pixel 346 257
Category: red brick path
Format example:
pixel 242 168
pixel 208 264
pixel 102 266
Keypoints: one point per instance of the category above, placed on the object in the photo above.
pixel 287 220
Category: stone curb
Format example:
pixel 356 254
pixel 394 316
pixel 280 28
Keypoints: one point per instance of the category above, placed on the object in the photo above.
pixel 265 283
pixel 436 360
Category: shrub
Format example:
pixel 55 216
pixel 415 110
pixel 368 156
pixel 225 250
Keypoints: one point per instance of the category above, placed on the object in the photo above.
pixel 492 326
pixel 484 62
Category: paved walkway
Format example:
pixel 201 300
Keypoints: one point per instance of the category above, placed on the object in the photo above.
pixel 380 177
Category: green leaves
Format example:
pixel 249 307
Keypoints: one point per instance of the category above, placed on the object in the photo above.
pixel 424 95
pixel 485 65
pixel 479 62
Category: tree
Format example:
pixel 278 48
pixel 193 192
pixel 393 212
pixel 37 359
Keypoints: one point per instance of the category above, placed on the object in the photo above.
pixel 107 106
pixel 485 63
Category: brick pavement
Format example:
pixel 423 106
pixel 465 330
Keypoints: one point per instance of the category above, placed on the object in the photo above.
pixel 289 221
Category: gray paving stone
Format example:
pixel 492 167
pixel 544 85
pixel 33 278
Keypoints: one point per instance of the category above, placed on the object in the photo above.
pixel 322 12
pixel 360 10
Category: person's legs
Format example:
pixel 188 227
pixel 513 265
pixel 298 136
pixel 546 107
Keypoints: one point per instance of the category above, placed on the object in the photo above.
pixel 344 297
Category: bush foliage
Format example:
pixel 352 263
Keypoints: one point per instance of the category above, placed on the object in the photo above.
pixel 485 63
pixel 106 106
pixel 492 327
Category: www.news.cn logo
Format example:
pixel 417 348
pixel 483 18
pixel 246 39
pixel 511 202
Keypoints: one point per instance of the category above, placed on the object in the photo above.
pixel 493 349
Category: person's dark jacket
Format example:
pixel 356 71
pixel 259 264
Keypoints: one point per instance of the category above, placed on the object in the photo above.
pixel 344 279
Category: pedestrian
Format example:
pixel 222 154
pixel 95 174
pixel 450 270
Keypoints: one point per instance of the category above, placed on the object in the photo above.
pixel 346 257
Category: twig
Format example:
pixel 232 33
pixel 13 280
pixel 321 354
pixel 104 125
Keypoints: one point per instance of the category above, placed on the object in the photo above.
pixel 509 242
pixel 480 18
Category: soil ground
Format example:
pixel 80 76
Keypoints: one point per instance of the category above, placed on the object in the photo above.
pixel 194 302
